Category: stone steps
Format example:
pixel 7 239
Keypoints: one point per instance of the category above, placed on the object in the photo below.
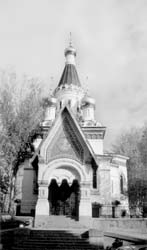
pixel 52 240
pixel 59 232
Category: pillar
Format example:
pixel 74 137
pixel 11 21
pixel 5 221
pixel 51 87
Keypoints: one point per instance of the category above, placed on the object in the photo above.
pixel 85 209
pixel 42 206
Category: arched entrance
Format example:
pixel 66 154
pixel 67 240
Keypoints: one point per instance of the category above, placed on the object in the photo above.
pixel 64 199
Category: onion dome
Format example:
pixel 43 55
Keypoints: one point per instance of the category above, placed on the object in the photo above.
pixel 87 100
pixel 51 101
pixel 70 50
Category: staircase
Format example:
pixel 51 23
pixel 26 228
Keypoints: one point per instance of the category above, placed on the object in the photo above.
pixel 53 240
pixel 61 233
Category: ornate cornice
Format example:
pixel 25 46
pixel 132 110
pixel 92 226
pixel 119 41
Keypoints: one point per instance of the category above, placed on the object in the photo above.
pixel 94 132
pixel 94 136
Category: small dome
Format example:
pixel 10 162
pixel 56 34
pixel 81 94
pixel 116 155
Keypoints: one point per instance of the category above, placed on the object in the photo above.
pixel 53 100
pixel 70 50
pixel 88 100
pixel 50 101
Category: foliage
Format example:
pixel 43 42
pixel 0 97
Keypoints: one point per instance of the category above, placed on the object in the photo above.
pixel 20 115
pixel 4 182
pixel 143 147
pixel 133 143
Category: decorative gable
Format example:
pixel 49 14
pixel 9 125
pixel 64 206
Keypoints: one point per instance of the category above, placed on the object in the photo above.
pixel 66 140
pixel 65 143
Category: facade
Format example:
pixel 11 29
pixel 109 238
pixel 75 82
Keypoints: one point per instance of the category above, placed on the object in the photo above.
pixel 69 173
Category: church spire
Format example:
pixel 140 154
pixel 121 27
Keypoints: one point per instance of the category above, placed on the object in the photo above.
pixel 70 76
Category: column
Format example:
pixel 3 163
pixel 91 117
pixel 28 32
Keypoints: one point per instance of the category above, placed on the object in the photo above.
pixel 42 206
pixel 85 208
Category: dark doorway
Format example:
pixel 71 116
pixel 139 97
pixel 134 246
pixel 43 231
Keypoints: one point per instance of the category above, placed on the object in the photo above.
pixel 96 210
pixel 113 212
pixel 64 199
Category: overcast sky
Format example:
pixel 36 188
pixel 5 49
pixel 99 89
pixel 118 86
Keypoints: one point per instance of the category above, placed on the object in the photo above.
pixel 111 41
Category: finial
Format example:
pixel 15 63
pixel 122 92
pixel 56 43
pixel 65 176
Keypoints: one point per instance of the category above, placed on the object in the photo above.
pixel 70 39
pixel 87 87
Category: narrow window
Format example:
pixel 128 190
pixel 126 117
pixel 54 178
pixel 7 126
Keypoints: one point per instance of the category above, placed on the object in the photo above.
pixel 94 178
pixel 121 185
pixel 69 103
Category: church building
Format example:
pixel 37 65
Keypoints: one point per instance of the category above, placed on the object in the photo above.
pixel 70 174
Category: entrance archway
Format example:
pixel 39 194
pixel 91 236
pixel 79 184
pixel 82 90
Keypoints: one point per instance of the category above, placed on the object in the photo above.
pixel 64 199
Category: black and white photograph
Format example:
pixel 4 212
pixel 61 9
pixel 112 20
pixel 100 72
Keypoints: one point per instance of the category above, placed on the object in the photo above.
pixel 73 124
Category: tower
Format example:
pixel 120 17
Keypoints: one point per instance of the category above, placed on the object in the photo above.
pixel 69 92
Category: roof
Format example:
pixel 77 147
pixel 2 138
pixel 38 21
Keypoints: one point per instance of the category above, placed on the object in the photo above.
pixel 69 76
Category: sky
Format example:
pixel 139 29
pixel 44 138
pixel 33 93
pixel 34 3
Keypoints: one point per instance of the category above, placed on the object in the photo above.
pixel 110 37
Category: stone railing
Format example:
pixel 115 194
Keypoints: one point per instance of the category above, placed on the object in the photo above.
pixel 132 224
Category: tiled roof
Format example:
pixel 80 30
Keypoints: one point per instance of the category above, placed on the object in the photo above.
pixel 69 76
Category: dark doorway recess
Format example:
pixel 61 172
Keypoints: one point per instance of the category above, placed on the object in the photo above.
pixel 64 199
pixel 96 210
